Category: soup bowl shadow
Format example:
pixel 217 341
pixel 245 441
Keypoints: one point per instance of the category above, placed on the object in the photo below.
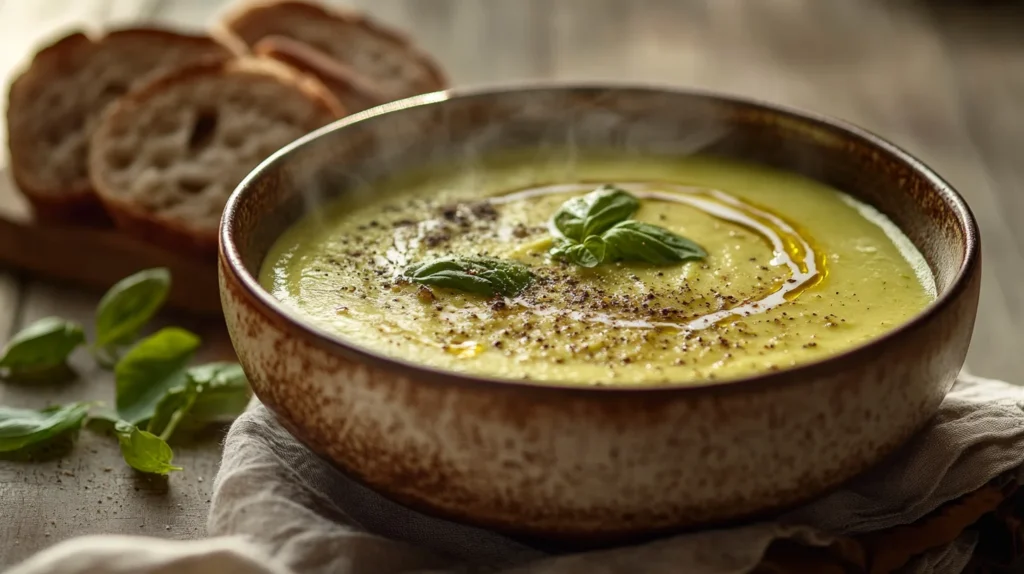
pixel 596 464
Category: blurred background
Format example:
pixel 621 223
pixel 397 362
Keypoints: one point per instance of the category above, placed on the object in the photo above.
pixel 945 80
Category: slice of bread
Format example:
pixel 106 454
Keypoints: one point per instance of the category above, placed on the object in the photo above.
pixel 354 91
pixel 54 105
pixel 383 57
pixel 166 156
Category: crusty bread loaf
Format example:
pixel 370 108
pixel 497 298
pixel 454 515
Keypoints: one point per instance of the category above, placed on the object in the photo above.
pixel 354 91
pixel 383 57
pixel 55 103
pixel 166 156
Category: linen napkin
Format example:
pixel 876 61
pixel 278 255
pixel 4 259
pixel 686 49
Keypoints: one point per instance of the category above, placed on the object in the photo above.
pixel 946 502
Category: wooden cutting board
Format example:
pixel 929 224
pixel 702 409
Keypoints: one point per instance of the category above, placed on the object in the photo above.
pixel 96 258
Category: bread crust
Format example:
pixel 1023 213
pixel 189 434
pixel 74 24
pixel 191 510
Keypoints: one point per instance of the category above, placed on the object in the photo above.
pixel 69 197
pixel 255 21
pixel 354 91
pixel 77 199
pixel 158 228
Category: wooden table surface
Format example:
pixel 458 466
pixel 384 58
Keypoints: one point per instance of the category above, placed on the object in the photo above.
pixel 947 84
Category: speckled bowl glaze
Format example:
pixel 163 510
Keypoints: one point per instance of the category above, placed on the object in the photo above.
pixel 596 463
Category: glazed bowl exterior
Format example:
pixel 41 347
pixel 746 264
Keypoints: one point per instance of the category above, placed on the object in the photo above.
pixel 600 463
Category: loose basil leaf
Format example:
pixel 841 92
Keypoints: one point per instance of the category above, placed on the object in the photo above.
pixel 129 305
pixel 219 375
pixel 595 212
pixel 24 428
pixel 171 410
pixel 223 392
pixel 102 419
pixel 486 276
pixel 591 253
pixel 41 347
pixel 216 392
pixel 150 369
pixel 637 241
pixel 144 451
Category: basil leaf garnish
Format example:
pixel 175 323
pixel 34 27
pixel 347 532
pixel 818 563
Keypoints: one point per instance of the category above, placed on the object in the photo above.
pixel 594 213
pixel 143 450
pixel 591 253
pixel 127 306
pixel 637 241
pixel 596 228
pixel 485 276
pixel 150 370
pixel 42 346
pixel 21 429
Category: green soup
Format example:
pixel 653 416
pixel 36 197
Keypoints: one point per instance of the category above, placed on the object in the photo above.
pixel 795 271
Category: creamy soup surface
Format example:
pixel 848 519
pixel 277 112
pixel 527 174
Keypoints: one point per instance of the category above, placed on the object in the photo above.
pixel 794 271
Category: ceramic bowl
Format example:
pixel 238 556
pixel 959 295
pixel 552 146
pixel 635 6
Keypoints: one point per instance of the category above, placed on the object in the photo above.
pixel 596 463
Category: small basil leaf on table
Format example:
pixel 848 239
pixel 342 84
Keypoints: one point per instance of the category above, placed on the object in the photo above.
pixel 171 409
pixel 595 212
pixel 144 451
pixel 24 428
pixel 41 347
pixel 215 392
pixel 129 305
pixel 150 369
pixel 101 419
pixel 591 253
pixel 223 392
pixel 486 276
pixel 637 241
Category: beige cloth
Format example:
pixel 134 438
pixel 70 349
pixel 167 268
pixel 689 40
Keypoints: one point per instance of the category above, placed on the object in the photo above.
pixel 278 509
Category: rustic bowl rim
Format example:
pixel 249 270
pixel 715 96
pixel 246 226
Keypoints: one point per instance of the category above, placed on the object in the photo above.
pixel 271 307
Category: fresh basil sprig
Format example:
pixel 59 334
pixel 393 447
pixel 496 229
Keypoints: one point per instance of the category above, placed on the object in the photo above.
pixel 41 347
pixel 487 276
pixel 126 307
pixel 594 213
pixel 211 393
pixel 143 450
pixel 596 228
pixel 205 394
pixel 157 394
pixel 156 390
pixel 222 392
pixel 22 429
pixel 171 410
pixel 150 370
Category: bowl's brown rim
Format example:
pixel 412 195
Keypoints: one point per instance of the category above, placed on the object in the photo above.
pixel 275 310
